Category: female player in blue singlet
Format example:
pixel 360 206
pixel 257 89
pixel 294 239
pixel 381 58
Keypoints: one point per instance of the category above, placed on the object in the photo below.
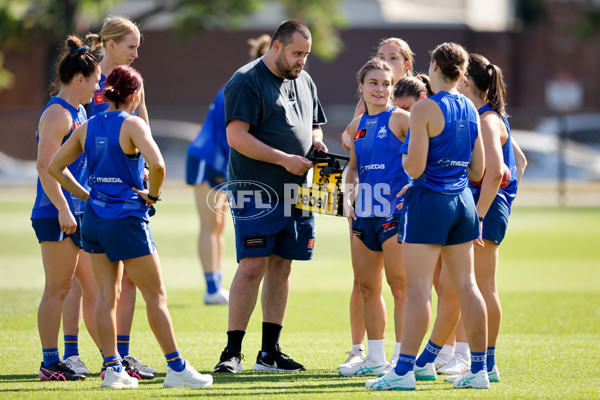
pixel 494 195
pixel 115 229
pixel 375 175
pixel 56 213
pixel 397 53
pixel 504 165
pixel 439 218
pixel 119 40
pixel 408 91
pixel 206 168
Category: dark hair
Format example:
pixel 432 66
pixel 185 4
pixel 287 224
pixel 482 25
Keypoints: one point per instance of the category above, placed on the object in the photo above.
pixel 488 77
pixel 375 63
pixel 413 86
pixel 76 59
pixel 259 46
pixel 451 58
pixel 122 81
pixel 286 30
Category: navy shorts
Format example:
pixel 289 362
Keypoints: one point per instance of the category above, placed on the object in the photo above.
pixel 374 231
pixel 260 233
pixel 48 230
pixel 121 239
pixel 495 222
pixel 431 217
pixel 198 171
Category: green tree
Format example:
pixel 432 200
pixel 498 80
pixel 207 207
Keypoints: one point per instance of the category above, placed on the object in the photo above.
pixel 23 21
pixel 322 17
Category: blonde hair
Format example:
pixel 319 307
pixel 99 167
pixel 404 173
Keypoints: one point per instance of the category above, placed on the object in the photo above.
pixel 405 51
pixel 113 28
pixel 259 46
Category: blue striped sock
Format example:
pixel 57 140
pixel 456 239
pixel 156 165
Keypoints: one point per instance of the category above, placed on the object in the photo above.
pixel 429 354
pixel 213 281
pixel 114 362
pixel 71 346
pixel 175 361
pixel 50 356
pixel 491 358
pixel 405 364
pixel 478 361
pixel 123 345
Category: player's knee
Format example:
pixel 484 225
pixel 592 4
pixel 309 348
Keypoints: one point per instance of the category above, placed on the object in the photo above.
pixel 399 293
pixel 369 291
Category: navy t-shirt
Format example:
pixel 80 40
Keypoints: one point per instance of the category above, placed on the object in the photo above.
pixel 281 114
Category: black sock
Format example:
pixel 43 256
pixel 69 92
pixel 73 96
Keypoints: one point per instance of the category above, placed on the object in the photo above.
pixel 270 337
pixel 234 340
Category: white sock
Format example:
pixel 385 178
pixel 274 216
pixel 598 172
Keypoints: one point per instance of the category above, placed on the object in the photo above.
pixel 358 348
pixel 447 350
pixel 377 350
pixel 397 350
pixel 462 348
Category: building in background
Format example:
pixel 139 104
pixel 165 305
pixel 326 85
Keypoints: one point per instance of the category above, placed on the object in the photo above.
pixel 182 77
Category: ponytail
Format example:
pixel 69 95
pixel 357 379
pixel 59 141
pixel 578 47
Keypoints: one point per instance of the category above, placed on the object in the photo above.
pixel 488 77
pixel 427 82
pixel 497 91
pixel 75 59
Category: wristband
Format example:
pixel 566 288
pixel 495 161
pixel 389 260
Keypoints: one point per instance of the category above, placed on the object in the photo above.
pixel 154 199
pixel 480 218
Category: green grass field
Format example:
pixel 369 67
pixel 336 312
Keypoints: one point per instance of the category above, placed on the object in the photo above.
pixel 549 280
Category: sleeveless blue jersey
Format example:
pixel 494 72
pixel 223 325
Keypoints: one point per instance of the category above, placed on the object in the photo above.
pixel 43 207
pixel 506 194
pixel 112 173
pixel 98 103
pixel 211 143
pixel 380 172
pixel 450 152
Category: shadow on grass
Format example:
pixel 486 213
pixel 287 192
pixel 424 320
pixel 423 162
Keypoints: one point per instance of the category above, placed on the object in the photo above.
pixel 251 383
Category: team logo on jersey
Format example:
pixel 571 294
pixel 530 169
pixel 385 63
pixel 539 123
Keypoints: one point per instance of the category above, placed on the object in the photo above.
pixel 76 125
pixel 311 243
pixel 360 134
pixel 382 132
pixel 98 98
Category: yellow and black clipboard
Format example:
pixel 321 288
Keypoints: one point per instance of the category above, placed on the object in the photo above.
pixel 325 195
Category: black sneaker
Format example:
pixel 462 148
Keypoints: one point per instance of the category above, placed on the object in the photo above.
pixel 276 361
pixel 136 373
pixel 231 362
pixel 59 371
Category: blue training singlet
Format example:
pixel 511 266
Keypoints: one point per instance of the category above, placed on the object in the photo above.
pixel 43 207
pixel 450 152
pixel 380 171
pixel 112 173
pixel 509 192
pixel 211 143
pixel 98 103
